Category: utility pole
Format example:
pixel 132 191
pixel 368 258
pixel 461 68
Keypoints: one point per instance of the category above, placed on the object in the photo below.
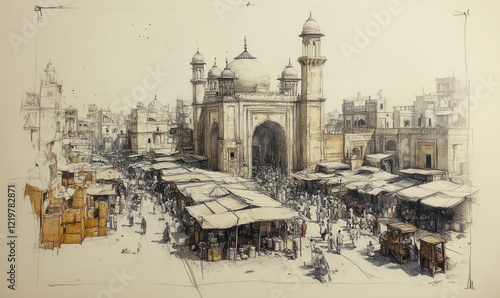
pixel 470 283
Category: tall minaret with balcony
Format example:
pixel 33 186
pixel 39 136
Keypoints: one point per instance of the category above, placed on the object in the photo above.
pixel 311 101
pixel 198 80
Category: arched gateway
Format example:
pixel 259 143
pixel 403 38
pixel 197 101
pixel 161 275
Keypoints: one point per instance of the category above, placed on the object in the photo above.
pixel 256 125
pixel 269 146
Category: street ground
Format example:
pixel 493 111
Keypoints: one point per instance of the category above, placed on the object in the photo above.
pixel 98 268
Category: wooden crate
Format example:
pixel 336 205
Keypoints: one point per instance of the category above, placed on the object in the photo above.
pixel 51 230
pixel 79 198
pixel 103 231
pixel 103 209
pixel 91 232
pixel 76 228
pixel 72 238
pixel 91 223
pixel 216 255
pixel 103 222
pixel 68 216
pixel 79 215
pixel 91 212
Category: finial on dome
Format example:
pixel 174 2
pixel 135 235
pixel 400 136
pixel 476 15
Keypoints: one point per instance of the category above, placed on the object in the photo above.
pixel 215 61
pixel 155 96
pixel 245 41
pixel 289 61
pixel 226 61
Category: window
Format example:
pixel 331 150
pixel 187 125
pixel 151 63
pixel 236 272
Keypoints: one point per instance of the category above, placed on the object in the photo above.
pixel 381 106
pixel 149 140
pixel 407 123
pixel 107 130
pixel 419 122
pixel 430 123
pixel 231 155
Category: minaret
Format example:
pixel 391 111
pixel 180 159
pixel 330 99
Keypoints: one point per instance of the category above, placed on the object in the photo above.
pixel 311 100
pixel 198 80
pixel 51 117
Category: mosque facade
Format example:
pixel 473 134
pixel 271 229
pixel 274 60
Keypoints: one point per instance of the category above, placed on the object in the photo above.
pixel 239 123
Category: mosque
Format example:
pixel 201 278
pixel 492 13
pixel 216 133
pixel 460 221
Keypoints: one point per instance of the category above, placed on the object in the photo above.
pixel 239 123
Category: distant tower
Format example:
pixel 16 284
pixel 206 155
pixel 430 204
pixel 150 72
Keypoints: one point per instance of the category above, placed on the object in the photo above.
pixel 198 80
pixel 51 114
pixel 289 80
pixel 311 100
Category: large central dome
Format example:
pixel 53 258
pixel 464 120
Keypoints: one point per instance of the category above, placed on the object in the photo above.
pixel 251 75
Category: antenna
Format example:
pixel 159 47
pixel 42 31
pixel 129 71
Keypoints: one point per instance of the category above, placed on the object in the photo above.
pixel 470 283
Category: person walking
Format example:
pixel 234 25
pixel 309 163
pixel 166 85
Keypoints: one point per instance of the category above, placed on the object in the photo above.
pixel 339 242
pixel 303 228
pixel 166 233
pixel 143 226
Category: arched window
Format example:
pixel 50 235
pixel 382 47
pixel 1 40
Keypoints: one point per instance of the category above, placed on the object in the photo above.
pixel 361 123
pixel 149 140
pixel 407 123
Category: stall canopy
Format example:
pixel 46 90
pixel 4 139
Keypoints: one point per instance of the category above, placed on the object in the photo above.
pixel 331 167
pixel 306 175
pixel 377 158
pixel 439 194
pixel 108 175
pixel 165 165
pixel 231 219
pixel 105 190
pixel 255 198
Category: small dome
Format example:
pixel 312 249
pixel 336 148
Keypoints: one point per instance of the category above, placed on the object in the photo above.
pixel 197 58
pixel 214 72
pixel 227 74
pixel 289 72
pixel 155 105
pixel 310 27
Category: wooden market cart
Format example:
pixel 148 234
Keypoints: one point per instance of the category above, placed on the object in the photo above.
pixel 398 240
pixel 433 253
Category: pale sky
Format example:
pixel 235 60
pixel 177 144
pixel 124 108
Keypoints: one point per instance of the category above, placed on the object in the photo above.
pixel 103 50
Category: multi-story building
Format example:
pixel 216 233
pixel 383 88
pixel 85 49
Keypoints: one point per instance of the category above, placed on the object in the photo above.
pixel 149 127
pixel 446 108
pixel 367 112
pixel 436 148
pixel 43 112
pixel 239 123
pixel 70 122
pixel 404 116
pixel 334 122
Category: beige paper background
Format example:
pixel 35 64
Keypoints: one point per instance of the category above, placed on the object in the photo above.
pixel 17 75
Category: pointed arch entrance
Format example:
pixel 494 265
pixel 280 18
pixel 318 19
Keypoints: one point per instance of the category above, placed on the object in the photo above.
pixel 269 146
